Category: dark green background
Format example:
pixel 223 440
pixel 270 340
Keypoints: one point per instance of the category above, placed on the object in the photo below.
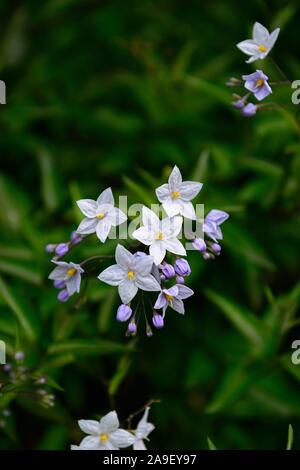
pixel 114 93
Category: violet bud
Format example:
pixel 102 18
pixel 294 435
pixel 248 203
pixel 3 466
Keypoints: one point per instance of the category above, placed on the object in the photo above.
pixel 62 249
pixel 6 413
pixel 59 284
pixel 19 356
pixel 182 267
pixel 7 367
pixel 206 256
pixel 50 248
pixel 76 238
pixel 162 277
pixel 157 321
pixel 249 110
pixel 168 271
pixel 63 295
pixel 132 327
pixel 199 244
pixel 124 312
pixel 239 104
pixel 216 248
pixel 149 331
pixel 42 392
pixel 180 280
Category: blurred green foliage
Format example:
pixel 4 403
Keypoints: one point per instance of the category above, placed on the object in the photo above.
pixel 103 93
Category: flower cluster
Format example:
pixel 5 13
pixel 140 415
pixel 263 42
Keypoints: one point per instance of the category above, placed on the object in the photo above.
pixel 106 434
pixel 257 83
pixel 158 259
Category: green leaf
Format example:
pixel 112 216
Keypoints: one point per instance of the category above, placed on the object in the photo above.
pixel 49 181
pixel 211 445
pixel 290 438
pixel 119 375
pixel 23 272
pixel 86 347
pixel 139 191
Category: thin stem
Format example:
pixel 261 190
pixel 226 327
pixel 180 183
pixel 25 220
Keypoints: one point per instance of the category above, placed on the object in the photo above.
pixel 279 69
pixel 98 257
pixel 132 415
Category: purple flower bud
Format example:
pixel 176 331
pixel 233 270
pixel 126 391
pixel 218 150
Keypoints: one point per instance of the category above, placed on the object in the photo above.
pixel 180 280
pixel 42 392
pixel 199 244
pixel 19 356
pixel 249 110
pixel 7 367
pixel 216 248
pixel 149 331
pixel 62 249
pixel 239 104
pixel 132 327
pixel 162 277
pixel 50 248
pixel 182 267
pixel 158 321
pixel 168 271
pixel 206 256
pixel 6 413
pixel 63 295
pixel 59 284
pixel 124 312
pixel 41 380
pixel 76 238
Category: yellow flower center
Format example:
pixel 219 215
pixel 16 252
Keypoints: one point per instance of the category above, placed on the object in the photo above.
pixel 176 194
pixel 169 297
pixel 159 236
pixel 100 215
pixel 104 437
pixel 71 272
pixel 130 274
pixel 262 48
pixel 259 82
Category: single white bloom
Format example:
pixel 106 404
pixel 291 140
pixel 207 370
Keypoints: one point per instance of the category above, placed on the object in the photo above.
pixel 261 44
pixel 130 274
pixel 104 434
pixel 101 215
pixel 212 222
pixel 160 235
pixel 70 273
pixel 176 195
pixel 142 431
pixel 173 297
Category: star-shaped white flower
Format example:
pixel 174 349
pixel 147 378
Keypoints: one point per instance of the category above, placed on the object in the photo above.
pixel 212 222
pixel 142 431
pixel 173 297
pixel 104 434
pixel 261 44
pixel 130 274
pixel 101 215
pixel 70 273
pixel 176 195
pixel 160 235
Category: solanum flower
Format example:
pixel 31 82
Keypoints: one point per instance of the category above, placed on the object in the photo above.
pixel 160 235
pixel 104 434
pixel 101 215
pixel 176 195
pixel 142 431
pixel 173 297
pixel 70 273
pixel 212 222
pixel 257 82
pixel 260 45
pixel 130 274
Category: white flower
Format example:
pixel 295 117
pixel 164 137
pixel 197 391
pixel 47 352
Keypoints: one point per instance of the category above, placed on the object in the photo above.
pixel 70 273
pixel 176 195
pixel 211 224
pixel 130 274
pixel 160 235
pixel 101 215
pixel 173 297
pixel 261 44
pixel 104 434
pixel 142 431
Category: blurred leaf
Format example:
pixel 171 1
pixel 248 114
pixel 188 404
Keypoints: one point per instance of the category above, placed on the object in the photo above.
pixel 211 445
pixel 290 438
pixel 24 272
pixel 119 375
pixel 86 347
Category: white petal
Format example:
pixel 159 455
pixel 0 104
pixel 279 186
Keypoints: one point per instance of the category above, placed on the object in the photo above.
pixel 87 225
pixel 253 59
pixel 127 290
pixel 216 216
pixel 189 190
pixel 260 34
pixel 139 445
pixel 150 220
pixel 116 217
pixel 177 305
pixel 144 428
pixel 71 284
pixel 171 226
pixel 103 229
pixel 144 265
pixel 106 197
pixel 89 426
pixel 143 235
pixel 147 283
pixel 172 207
pixel 122 438
pixel 161 301
pixel 187 210
pixel 175 180
pixel 112 275
pixel 88 207
pixel 157 251
pixel 163 192
pixel 90 443
pixel 109 423
pixel 123 257
pixel 59 273
pixel 184 292
pixel 249 47
pixel 174 246
pixel 273 37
